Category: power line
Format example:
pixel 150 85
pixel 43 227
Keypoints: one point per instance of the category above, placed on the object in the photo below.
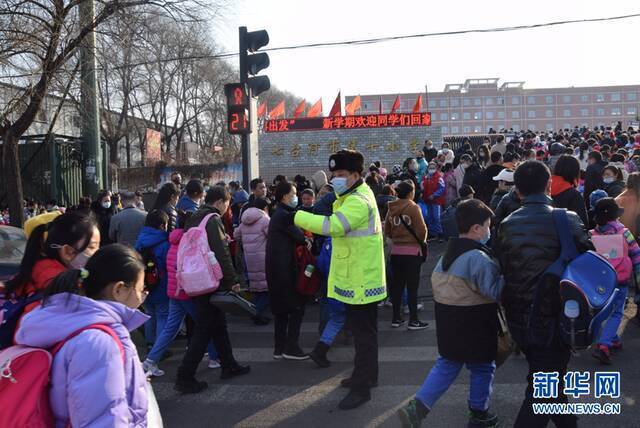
pixel 372 41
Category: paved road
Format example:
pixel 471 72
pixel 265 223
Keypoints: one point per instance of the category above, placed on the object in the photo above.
pixel 298 394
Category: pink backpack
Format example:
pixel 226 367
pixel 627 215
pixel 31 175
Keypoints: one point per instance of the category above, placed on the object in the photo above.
pixel 24 382
pixel 615 249
pixel 198 271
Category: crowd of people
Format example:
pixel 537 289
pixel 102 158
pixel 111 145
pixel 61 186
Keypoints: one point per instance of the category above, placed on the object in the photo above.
pixel 367 231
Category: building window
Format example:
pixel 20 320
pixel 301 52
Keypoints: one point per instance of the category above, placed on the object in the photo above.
pixel 477 102
pixel 632 111
pixel 566 126
pixel 616 96
pixel 515 100
pixel 466 102
pixel 466 115
pixel 455 129
pixel 477 115
pixel 584 98
pixel 455 102
pixel 489 115
pixel 455 116
pixel 445 130
pixel 532 127
pixel 566 112
pixel 600 112
pixel 531 100
pixel 477 129
pixel 631 96
pixel 516 127
pixel 548 113
pixel 549 127
pixel 515 114
pixel 444 116
pixel 432 103
pixel 501 114
pixel 466 129
pixel 548 99
pixel 600 98
pixel 615 111
pixel 584 112
pixel 531 113
pixel 500 101
pixel 443 102
pixel 488 101
pixel 566 99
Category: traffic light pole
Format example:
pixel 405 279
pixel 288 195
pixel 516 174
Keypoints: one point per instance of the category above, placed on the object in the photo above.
pixel 244 138
pixel 91 153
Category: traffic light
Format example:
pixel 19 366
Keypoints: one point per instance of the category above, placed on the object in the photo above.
pixel 237 108
pixel 251 64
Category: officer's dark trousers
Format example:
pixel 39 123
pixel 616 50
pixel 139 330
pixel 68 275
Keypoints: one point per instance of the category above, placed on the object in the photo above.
pixel 363 322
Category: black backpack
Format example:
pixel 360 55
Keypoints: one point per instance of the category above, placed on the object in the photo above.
pixel 151 271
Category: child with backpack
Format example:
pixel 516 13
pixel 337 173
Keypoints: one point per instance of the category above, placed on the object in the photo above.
pixel 466 287
pixel 153 245
pixel 96 378
pixel 55 243
pixel 616 243
pixel 179 306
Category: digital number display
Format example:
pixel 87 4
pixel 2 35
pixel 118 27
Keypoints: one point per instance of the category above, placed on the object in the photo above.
pixel 392 120
pixel 238 122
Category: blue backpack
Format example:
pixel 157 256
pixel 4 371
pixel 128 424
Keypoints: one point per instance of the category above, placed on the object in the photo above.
pixel 11 309
pixel 588 288
pixel 323 261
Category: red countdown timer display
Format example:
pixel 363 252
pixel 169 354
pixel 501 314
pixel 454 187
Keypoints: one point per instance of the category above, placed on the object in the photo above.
pixel 391 120
pixel 237 109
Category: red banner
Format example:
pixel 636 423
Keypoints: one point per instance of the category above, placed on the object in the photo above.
pixel 391 120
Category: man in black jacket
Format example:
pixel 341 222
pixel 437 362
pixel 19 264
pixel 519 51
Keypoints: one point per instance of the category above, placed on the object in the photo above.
pixel 526 245
pixel 210 321
pixel 430 152
pixel 593 175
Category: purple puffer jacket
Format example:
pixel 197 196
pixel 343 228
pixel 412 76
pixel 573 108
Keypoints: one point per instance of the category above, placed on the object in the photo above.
pixel 252 232
pixel 89 385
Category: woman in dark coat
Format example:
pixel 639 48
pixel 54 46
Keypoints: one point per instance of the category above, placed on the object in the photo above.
pixel 103 210
pixel 613 181
pixel 166 202
pixel 286 304
pixel 563 187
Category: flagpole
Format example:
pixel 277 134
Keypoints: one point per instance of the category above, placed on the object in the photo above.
pixel 426 97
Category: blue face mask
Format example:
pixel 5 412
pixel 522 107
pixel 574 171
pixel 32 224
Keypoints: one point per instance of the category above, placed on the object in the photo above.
pixel 339 185
pixel 294 202
pixel 486 238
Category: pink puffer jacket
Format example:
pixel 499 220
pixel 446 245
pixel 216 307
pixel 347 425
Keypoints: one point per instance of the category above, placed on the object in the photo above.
pixel 172 264
pixel 252 232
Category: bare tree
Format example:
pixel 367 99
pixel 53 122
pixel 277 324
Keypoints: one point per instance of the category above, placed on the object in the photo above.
pixel 37 39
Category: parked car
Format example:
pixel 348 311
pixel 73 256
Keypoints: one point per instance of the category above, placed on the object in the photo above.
pixel 12 245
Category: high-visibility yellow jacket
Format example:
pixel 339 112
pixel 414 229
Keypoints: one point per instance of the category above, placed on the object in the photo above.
pixel 356 275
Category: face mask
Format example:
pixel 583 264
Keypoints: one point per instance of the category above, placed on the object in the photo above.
pixel 339 185
pixel 432 171
pixel 465 165
pixel 486 238
pixel 106 205
pixel 294 201
pixel 79 261
pixel 608 180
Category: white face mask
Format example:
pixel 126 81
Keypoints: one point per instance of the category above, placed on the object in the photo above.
pixel 79 261
pixel 608 180
pixel 106 205
pixel 432 171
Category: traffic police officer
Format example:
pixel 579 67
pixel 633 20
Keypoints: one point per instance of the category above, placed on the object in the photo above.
pixel 356 274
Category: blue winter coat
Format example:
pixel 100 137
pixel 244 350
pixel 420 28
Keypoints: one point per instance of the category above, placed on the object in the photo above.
pixel 159 241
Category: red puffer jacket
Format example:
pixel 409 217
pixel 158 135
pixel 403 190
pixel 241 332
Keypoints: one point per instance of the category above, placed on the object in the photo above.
pixel 433 186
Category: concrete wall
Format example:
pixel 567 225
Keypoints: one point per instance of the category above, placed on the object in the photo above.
pixel 305 152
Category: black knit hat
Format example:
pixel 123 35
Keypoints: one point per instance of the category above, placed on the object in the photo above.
pixel 350 160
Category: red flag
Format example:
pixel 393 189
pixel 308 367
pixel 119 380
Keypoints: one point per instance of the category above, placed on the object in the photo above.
pixel 353 106
pixel 396 104
pixel 418 106
pixel 316 109
pixel 336 110
pixel 262 109
pixel 299 109
pixel 278 111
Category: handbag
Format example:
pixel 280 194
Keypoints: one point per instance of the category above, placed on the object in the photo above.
pixel 423 244
pixel 232 303
pixel 505 343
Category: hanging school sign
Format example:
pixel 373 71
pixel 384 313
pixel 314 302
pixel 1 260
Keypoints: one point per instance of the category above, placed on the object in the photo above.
pixel 303 146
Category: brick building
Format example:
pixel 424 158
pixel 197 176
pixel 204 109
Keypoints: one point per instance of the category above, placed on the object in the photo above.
pixel 477 105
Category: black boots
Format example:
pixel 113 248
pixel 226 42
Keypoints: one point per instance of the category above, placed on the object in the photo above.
pixel 319 355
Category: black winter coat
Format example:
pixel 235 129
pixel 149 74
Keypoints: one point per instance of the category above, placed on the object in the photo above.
pixel 572 200
pixel 473 176
pixel 614 189
pixel 508 204
pixel 281 268
pixel 171 211
pixel 488 185
pixel 593 179
pixel 526 245
pixel 103 218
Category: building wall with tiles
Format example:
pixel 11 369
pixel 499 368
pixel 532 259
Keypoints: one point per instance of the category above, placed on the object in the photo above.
pixel 305 152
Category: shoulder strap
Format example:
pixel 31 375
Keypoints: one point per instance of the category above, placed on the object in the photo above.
pixel 561 222
pixel 101 327
pixel 205 220
pixel 410 229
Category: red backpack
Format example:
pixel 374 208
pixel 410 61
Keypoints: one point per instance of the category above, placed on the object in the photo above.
pixel 308 279
pixel 24 381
